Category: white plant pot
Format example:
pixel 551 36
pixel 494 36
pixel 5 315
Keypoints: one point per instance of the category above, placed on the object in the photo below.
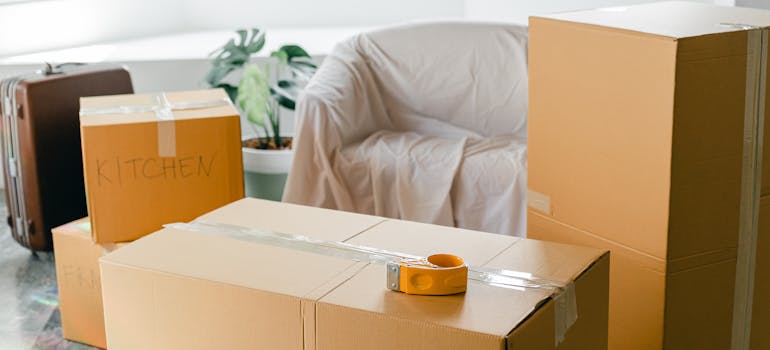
pixel 262 161
pixel 265 172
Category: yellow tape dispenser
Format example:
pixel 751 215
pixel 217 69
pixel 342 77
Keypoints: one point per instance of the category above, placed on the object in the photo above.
pixel 439 274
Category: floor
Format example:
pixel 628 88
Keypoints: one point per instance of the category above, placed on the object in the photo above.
pixel 29 300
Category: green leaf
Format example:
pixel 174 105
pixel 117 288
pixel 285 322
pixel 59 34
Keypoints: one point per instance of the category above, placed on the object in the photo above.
pixel 254 94
pixel 307 64
pixel 285 92
pixel 286 84
pixel 282 56
pixel 256 45
pixel 301 73
pixel 216 74
pixel 242 36
pixel 235 53
pixel 286 102
pixel 294 51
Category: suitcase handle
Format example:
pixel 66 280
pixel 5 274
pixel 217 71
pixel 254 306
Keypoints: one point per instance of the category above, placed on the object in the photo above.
pixel 49 69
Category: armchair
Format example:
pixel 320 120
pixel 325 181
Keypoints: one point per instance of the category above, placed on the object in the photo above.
pixel 424 122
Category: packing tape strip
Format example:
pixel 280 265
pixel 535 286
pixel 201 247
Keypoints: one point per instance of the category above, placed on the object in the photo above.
pixel 164 112
pixel 565 299
pixel 753 140
pixel 166 128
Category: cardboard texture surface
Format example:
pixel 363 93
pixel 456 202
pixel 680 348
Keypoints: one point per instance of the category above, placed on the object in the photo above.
pixel 137 166
pixel 761 314
pixel 251 295
pixel 633 276
pixel 293 219
pixel 636 141
pixel 77 274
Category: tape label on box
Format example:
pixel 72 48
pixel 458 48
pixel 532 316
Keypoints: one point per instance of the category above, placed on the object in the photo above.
pixel 539 201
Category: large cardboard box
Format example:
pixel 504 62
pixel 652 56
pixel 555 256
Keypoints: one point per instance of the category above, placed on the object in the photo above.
pixel 77 274
pixel 636 130
pixel 158 158
pixel 221 292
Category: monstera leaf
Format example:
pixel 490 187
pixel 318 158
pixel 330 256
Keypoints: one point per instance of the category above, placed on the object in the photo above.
pixel 258 100
pixel 297 59
pixel 285 91
pixel 254 94
pixel 234 54
pixel 289 53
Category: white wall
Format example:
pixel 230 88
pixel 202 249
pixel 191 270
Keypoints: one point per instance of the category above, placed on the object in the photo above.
pixel 518 11
pixel 206 14
pixel 764 4
pixel 42 25
pixel 39 25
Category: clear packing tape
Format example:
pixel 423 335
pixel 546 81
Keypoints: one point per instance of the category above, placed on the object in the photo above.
pixel 164 112
pixel 563 295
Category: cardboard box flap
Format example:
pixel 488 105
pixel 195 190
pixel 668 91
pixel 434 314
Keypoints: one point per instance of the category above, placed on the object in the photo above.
pixel 292 219
pixel 92 107
pixel 673 19
pixel 233 262
pixel 252 265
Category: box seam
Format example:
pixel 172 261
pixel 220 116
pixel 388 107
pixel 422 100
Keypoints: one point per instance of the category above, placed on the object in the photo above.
pixel 637 251
pixel 353 274
pixel 366 229
pixel 501 252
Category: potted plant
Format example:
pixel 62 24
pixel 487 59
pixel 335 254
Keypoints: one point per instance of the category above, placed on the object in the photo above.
pixel 261 94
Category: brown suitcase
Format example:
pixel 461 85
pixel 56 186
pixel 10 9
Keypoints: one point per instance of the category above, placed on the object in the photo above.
pixel 42 162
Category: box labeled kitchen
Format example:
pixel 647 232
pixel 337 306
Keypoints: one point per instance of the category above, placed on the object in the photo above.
pixel 158 158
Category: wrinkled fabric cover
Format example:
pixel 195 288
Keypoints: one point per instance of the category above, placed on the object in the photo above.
pixel 424 122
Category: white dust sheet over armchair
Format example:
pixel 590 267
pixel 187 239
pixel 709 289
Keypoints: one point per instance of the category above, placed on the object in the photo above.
pixel 424 122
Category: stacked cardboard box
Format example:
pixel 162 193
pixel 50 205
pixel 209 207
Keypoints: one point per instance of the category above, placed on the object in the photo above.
pixel 217 291
pixel 644 123
pixel 77 274
pixel 149 160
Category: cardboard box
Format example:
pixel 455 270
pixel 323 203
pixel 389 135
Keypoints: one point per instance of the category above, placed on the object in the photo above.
pixel 221 292
pixel 145 168
pixel 77 274
pixel 636 145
